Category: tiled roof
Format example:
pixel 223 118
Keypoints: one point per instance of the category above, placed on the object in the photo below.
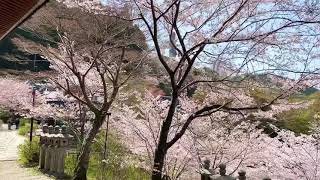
pixel 14 12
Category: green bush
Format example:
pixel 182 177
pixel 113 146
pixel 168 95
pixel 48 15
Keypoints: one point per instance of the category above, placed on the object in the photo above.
pixel 29 152
pixel 24 121
pixel 199 96
pixel 4 116
pixel 197 72
pixel 25 128
pixel 115 167
pixel 70 163
pixel 166 88
pixel 262 96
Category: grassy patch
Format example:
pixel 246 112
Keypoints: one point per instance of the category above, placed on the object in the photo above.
pixel 138 85
pixel 297 98
pixel 299 120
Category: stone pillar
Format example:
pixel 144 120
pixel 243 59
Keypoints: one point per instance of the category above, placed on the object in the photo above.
pixel 43 146
pixel 54 150
pixel 60 165
pixel 63 145
pixel 48 153
pixel 223 175
pixel 205 171
pixel 242 175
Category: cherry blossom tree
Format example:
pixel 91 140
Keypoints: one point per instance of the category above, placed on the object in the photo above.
pixel 95 55
pixel 17 95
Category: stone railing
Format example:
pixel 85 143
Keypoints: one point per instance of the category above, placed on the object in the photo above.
pixel 54 143
pixel 207 173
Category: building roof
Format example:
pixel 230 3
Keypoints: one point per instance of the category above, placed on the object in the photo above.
pixel 15 12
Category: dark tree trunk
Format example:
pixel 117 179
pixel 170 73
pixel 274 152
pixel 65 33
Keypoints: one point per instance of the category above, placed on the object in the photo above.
pixel 161 151
pixel 83 163
pixel 158 163
pixel 80 172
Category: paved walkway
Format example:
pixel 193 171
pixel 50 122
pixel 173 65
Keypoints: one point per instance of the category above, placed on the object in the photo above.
pixel 9 168
pixel 9 141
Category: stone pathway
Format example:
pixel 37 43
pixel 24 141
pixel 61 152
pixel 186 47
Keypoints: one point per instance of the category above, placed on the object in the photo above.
pixel 9 167
pixel 9 141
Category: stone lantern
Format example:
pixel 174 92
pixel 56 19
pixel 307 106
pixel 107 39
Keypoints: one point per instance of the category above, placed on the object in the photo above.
pixel 242 175
pixel 205 171
pixel 54 147
pixel 223 175
pixel 48 153
pixel 61 150
pixel 43 145
pixel 65 140
pixel 54 144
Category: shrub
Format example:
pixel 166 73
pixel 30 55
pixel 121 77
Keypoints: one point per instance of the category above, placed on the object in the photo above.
pixel 166 88
pixel 199 96
pixel 25 128
pixel 4 116
pixel 24 121
pixel 115 167
pixel 197 72
pixel 262 96
pixel 70 163
pixel 29 152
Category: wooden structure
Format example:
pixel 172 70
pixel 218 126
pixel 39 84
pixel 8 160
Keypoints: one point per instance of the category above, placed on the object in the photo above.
pixel 15 12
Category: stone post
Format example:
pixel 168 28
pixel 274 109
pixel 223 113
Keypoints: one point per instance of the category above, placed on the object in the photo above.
pixel 43 146
pixel 54 155
pixel 223 175
pixel 205 171
pixel 63 145
pixel 242 175
pixel 48 153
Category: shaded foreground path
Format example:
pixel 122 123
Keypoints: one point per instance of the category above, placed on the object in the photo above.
pixel 9 167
